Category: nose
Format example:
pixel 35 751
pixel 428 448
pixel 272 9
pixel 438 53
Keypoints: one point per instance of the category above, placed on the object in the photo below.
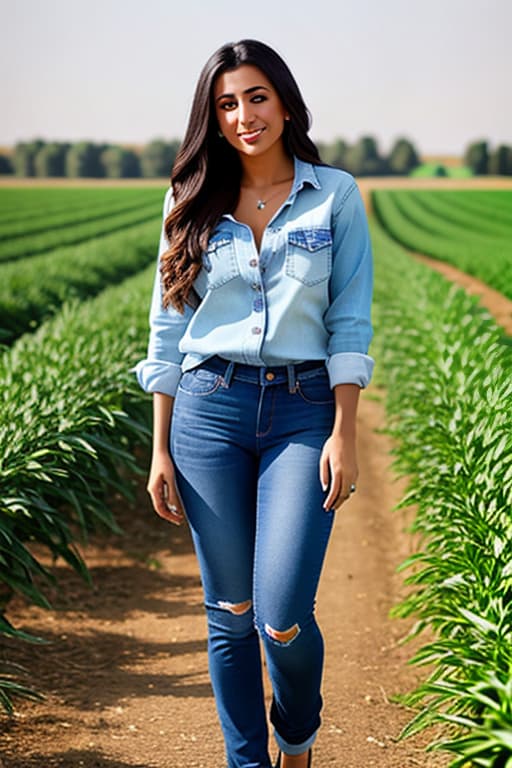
pixel 245 113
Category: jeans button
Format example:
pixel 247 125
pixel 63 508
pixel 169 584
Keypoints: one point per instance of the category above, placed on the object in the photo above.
pixel 270 376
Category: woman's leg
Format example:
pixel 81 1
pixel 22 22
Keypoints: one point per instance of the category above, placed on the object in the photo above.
pixel 217 481
pixel 292 534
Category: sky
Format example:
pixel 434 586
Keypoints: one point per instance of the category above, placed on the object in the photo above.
pixel 124 71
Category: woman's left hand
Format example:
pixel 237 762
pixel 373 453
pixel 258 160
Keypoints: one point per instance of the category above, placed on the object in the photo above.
pixel 338 469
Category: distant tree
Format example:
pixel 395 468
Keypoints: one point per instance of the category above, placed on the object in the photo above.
pixel 6 164
pixel 476 157
pixel 403 158
pixel 119 163
pixel 157 158
pixel 24 155
pixel 500 161
pixel 50 160
pixel 334 153
pixel 83 160
pixel 362 159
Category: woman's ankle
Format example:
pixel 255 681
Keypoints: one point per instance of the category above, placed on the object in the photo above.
pixel 295 761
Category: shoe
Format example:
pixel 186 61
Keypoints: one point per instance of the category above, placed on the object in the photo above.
pixel 310 757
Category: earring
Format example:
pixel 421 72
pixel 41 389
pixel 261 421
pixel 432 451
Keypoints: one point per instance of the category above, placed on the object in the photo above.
pixel 220 134
pixel 287 117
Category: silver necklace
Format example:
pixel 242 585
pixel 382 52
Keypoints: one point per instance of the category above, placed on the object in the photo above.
pixel 260 204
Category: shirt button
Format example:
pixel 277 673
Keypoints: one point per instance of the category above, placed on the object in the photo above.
pixel 256 330
pixel 253 263
pixel 258 305
pixel 270 376
pixel 256 286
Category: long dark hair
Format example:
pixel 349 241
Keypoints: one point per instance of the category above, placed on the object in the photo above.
pixel 207 171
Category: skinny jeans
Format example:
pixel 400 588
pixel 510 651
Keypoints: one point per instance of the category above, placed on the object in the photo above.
pixel 246 443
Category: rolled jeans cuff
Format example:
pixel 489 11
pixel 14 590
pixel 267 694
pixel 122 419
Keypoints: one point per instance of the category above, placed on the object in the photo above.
pixel 294 749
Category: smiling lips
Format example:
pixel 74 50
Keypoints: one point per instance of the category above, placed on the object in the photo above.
pixel 251 136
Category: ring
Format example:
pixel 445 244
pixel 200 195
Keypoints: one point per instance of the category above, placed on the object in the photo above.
pixel 352 488
pixel 172 508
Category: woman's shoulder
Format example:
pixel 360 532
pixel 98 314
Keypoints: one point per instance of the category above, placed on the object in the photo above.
pixel 337 178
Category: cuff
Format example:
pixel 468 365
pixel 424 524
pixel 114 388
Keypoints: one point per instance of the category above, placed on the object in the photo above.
pixel 158 376
pixel 350 368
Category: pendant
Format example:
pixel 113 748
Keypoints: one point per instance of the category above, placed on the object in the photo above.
pixel 260 205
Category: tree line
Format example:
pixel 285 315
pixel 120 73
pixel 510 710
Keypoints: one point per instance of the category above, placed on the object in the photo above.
pixel 87 159
pixel 483 160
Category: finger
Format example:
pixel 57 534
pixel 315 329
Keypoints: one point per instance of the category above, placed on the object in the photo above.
pixel 345 493
pixel 334 489
pixel 171 512
pixel 324 470
pixel 166 505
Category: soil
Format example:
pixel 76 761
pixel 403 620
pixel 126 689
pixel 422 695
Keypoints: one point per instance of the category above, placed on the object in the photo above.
pixel 125 672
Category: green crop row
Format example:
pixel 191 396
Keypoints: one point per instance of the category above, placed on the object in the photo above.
pixel 431 208
pixel 411 220
pixel 488 206
pixel 72 235
pixel 33 289
pixel 446 368
pixel 18 204
pixel 95 210
pixel 70 414
pixel 448 219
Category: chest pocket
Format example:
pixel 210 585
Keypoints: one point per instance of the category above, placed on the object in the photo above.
pixel 309 255
pixel 219 260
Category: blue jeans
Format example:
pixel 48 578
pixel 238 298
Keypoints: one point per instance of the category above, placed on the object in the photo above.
pixel 246 443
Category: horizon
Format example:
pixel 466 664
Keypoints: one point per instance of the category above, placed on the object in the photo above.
pixel 436 75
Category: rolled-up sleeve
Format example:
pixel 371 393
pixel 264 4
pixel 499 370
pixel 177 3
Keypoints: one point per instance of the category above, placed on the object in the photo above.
pixel 160 371
pixel 348 319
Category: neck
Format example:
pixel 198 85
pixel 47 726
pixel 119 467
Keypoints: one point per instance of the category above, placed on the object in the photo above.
pixel 268 169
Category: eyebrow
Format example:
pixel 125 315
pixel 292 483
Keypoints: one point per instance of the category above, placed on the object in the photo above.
pixel 248 90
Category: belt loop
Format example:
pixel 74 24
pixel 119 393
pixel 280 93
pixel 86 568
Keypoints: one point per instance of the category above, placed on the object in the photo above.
pixel 228 373
pixel 292 379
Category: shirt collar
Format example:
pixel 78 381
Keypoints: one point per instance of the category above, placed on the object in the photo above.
pixel 304 174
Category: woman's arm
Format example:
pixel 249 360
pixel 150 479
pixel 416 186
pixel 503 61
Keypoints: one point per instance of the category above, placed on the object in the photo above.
pixel 162 479
pixel 338 462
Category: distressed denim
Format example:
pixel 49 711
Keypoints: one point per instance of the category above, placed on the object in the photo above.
pixel 305 295
pixel 246 443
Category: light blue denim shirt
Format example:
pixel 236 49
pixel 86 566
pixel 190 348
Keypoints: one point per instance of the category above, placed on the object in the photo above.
pixel 305 296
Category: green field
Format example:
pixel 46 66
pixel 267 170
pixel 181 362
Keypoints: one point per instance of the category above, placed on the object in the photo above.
pixel 75 319
pixel 470 229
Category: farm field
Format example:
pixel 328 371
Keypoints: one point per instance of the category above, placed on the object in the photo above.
pixel 133 645
pixel 470 229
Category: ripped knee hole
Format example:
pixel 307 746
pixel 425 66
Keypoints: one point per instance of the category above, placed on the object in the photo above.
pixel 238 609
pixel 286 636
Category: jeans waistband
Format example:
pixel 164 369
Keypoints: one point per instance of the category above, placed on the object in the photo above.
pixel 265 375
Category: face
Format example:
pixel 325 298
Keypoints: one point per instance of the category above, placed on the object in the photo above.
pixel 250 114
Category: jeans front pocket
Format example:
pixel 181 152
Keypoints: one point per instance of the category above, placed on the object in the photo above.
pixel 315 389
pixel 199 382
pixel 219 260
pixel 309 254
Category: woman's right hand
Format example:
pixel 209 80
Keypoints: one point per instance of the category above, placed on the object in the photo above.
pixel 162 489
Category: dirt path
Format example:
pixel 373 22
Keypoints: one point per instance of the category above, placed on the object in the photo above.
pixel 126 675
pixel 127 680
pixel 496 303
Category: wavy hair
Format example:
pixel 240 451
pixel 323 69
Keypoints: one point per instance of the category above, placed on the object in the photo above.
pixel 206 174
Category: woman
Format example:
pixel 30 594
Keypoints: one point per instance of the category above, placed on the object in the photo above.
pixel 258 350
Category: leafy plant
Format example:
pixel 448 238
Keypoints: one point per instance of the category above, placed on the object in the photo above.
pixel 446 367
